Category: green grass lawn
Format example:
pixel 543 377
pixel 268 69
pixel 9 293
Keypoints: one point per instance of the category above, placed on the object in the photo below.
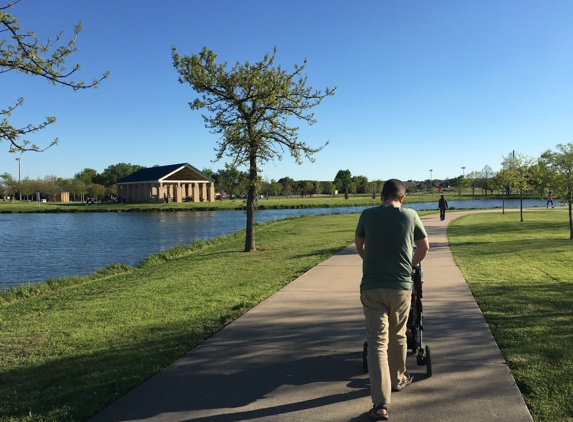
pixel 521 276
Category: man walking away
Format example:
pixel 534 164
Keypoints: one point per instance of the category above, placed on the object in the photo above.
pixel 443 206
pixel 385 239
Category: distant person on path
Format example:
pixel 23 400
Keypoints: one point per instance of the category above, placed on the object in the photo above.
pixel 385 239
pixel 443 206
pixel 549 199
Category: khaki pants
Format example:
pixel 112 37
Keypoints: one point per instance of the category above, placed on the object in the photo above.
pixel 386 313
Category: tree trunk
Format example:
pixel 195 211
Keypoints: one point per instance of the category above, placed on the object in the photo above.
pixel 521 205
pixel 570 220
pixel 250 236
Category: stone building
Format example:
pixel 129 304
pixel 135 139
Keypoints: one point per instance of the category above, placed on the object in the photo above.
pixel 172 183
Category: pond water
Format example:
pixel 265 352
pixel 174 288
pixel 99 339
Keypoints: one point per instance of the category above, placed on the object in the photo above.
pixel 35 247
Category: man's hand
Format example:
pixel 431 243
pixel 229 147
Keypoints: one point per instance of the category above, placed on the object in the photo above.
pixel 422 248
pixel 359 241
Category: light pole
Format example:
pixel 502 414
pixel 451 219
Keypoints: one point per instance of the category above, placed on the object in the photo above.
pixel 431 184
pixel 464 171
pixel 18 159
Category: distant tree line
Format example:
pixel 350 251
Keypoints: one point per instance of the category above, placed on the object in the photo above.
pixel 87 182
pixel 520 175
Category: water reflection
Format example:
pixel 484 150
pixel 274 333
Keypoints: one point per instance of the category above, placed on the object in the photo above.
pixel 36 247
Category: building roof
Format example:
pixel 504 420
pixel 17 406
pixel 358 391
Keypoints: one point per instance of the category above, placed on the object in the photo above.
pixel 173 173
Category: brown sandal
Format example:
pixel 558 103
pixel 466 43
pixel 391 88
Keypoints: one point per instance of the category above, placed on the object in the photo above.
pixel 375 416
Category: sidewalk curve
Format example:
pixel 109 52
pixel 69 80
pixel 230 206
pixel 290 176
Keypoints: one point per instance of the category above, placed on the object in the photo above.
pixel 297 356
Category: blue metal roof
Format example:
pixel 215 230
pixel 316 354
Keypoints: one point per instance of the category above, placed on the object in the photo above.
pixel 180 172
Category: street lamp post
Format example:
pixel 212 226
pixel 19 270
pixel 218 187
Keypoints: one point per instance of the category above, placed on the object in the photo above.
pixel 431 180
pixel 18 159
pixel 464 171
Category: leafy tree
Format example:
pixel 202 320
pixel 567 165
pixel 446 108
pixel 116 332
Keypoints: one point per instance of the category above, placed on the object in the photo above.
pixel 519 175
pixel 376 186
pixel 51 186
pixel 250 108
pixel 486 174
pixel 9 184
pixel 229 180
pixel 22 52
pixel 541 178
pixel 318 187
pixel 110 176
pixel 361 183
pixel 39 186
pixel 276 188
pixel 209 173
pixel 353 187
pixel 78 189
pixel 96 190
pixel 342 180
pixel 298 187
pixel 560 165
pixel 265 186
pixel 308 188
pixel 244 183
pixel 330 188
pixel 27 187
pixel 87 175
pixel 502 181
pixel 473 178
pixel 459 184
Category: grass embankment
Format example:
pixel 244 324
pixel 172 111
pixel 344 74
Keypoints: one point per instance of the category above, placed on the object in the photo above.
pixel 520 274
pixel 70 347
pixel 321 201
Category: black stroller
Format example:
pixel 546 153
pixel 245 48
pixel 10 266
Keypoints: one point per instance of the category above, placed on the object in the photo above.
pixel 415 326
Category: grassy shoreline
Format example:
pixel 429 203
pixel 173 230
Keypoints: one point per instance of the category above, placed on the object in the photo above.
pixel 238 204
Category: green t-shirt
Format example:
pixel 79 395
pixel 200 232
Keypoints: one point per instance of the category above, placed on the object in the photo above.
pixel 389 233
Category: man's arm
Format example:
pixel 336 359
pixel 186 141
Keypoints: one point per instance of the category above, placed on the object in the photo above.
pixel 422 248
pixel 359 245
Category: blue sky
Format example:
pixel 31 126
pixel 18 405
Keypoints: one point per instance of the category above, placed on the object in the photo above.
pixel 421 85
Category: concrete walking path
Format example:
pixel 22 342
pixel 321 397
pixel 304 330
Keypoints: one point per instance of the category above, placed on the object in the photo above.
pixel 298 357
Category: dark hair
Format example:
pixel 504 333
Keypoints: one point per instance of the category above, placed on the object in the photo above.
pixel 393 189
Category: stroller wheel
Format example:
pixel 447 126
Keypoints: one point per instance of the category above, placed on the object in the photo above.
pixel 428 362
pixel 365 357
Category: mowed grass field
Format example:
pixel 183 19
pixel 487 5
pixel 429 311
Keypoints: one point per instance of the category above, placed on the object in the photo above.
pixel 522 277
